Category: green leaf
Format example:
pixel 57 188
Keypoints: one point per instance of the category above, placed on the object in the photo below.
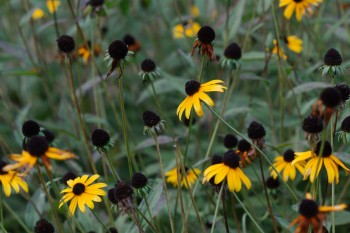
pixel 124 6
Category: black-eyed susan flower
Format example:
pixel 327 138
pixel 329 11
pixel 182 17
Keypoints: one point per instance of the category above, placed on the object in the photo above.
pixel 294 43
pixel 230 141
pixel 345 129
pixel 256 132
pixel 344 91
pixel 101 140
pixel 278 50
pixel 82 192
pixel 37 147
pixel 332 64
pixel 122 196
pixel 68 176
pixel 85 52
pixel 229 169
pixel 117 54
pixel 299 6
pixel 317 160
pixel 66 44
pixel 196 93
pixel 186 29
pixel 246 152
pixel 112 230
pixel 283 165
pixel 312 127
pixel 49 135
pixel 153 123
pixel 43 226
pixel 232 55
pixel 11 179
pixel 38 14
pixel 132 43
pixel 191 176
pixel 149 70
pixel 30 128
pixel 52 5
pixel 313 214
pixel 140 184
pixel 205 37
pixel 272 183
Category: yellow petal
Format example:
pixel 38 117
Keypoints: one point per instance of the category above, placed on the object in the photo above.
pixel 221 175
pixel 37 14
pixel 329 169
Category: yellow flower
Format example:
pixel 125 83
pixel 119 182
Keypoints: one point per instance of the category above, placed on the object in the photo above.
pixel 191 176
pixel 85 53
pixel 230 170
pixel 187 28
pixel 278 50
pixel 312 213
pixel 299 6
pixel 38 14
pixel 52 5
pixel 294 43
pixel 9 179
pixel 195 11
pixel 81 192
pixel 284 163
pixel 196 93
pixel 314 165
pixel 37 147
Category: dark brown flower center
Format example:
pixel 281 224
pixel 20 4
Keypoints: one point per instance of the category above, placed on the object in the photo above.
pixel 288 156
pixel 2 164
pixel 308 208
pixel 78 188
pixel 192 87
pixel 231 159
pixel 37 146
pixel 327 149
pixel 297 1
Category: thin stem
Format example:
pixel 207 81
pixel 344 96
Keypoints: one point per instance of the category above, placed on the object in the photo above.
pixel 267 197
pixel 136 220
pixel 55 19
pixel 333 203
pixel 114 173
pixel 97 218
pixel 164 182
pixel 148 222
pixel 217 206
pixel 256 148
pixel 125 131
pixel 19 220
pixel 225 213
pixel 53 208
pixel 149 212
pixel 235 214
pixel 1 211
pixel 77 108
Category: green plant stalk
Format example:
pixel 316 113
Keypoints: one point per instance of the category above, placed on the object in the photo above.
pixel 1 210
pixel 53 208
pixel 77 223
pixel 225 213
pixel 99 220
pixel 235 214
pixel 217 206
pixel 163 178
pixel 114 173
pixel 3 228
pixel 148 222
pixel 79 113
pixel 150 214
pixel 202 69
pixel 256 148
pixel 248 213
pixel 125 127
pixel 188 136
pixel 19 220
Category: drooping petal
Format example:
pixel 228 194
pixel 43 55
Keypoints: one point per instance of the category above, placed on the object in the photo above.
pixel 220 176
pixel 329 169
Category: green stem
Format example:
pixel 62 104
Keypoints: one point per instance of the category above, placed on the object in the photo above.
pixel 164 181
pixel 333 203
pixel 114 173
pixel 53 208
pixel 14 214
pixel 217 206
pixel 124 121
pixel 97 218
pixel 148 222
pixel 256 148
pixel 80 118
pixel 1 211
pixel 149 212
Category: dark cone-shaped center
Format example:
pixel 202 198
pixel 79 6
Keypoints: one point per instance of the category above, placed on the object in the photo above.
pixel 150 119
pixel 344 91
pixel 345 125
pixel 43 226
pixel 233 51
pixel 66 44
pixel 288 155
pixel 112 230
pixel 327 149
pixel 48 135
pixel 308 208
pixel 216 159
pixel 78 188
pixel 230 141
pixel 231 159
pixel 243 145
pixel 123 191
pixel 148 65
pixel 100 138
pixel 139 180
pixel 68 176
pixel 187 121
pixel 111 196
pixel 129 39
pixel 37 146
pixel 96 3
pixel 297 1
pixel 2 165
pixel 192 87
pixel 272 183
pixel 332 58
pixel 256 130
pixel 330 97
pixel 118 50
pixel 206 34
pixel 312 124
pixel 30 128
